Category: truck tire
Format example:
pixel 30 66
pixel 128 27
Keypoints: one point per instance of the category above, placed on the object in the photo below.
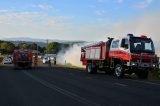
pixel 143 74
pixel 118 72
pixel 90 69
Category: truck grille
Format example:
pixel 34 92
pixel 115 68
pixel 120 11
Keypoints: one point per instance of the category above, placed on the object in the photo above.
pixel 146 60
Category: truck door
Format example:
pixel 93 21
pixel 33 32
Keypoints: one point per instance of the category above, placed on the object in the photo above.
pixel 125 49
pixel 114 49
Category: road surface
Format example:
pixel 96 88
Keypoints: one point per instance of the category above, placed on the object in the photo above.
pixel 73 87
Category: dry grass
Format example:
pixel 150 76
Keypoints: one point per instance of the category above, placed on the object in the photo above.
pixel 69 66
pixel 154 75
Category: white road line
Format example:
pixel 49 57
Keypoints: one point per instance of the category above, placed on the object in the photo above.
pixel 120 84
pixel 62 91
pixel 151 83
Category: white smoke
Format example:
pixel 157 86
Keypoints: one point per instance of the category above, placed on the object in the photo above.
pixel 148 24
pixel 71 55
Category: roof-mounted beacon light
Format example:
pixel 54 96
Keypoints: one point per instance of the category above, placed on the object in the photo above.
pixel 143 36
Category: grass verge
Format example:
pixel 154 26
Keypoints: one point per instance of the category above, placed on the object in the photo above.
pixel 69 66
pixel 154 75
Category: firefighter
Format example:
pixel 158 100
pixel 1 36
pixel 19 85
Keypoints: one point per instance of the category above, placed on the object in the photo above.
pixel 49 61
pixel 35 61
pixel 55 61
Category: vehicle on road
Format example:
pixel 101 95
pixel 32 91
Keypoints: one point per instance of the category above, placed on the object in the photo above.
pixel 1 59
pixel 7 61
pixel 22 58
pixel 45 60
pixel 130 54
pixel 49 57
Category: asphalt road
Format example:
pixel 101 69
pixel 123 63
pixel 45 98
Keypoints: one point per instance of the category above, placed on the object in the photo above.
pixel 73 87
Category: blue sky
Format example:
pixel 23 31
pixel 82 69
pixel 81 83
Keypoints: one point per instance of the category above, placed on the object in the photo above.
pixel 75 19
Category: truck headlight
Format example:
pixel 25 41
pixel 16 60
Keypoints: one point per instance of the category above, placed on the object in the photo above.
pixel 154 65
pixel 133 64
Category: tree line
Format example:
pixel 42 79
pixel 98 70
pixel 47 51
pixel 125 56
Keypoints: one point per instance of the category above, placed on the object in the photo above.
pixel 7 47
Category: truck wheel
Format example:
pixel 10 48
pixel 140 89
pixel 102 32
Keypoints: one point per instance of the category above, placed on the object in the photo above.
pixel 90 69
pixel 118 72
pixel 143 74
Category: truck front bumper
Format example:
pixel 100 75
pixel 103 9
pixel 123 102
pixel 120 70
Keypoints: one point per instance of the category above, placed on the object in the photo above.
pixel 140 65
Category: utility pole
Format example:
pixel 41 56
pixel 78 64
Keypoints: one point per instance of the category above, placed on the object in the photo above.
pixel 46 48
pixel 37 49
pixel 36 58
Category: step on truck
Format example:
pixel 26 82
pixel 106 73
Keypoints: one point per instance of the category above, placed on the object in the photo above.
pixel 22 59
pixel 131 54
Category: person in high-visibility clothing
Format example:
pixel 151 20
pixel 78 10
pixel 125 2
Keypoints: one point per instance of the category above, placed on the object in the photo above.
pixel 36 61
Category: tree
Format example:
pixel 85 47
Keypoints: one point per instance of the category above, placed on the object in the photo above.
pixel 3 47
pixel 55 47
pixel 33 46
pixel 51 46
pixel 7 47
pixel 41 49
pixel 11 47
pixel 23 46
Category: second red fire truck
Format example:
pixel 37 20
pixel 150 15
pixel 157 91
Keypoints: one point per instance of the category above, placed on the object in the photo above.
pixel 131 54
pixel 22 59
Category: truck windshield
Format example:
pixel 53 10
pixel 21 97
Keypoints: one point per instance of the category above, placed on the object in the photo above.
pixel 141 45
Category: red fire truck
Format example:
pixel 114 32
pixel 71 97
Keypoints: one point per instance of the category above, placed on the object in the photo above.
pixel 131 54
pixel 22 58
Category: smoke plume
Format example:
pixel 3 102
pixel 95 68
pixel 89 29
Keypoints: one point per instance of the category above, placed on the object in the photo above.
pixel 71 55
pixel 148 24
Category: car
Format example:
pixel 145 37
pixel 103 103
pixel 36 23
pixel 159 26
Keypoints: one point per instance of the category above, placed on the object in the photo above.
pixel 7 61
pixel 11 57
pixel 1 60
pixel 45 60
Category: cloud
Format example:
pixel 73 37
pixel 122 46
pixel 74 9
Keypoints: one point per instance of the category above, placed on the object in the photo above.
pixel 148 24
pixel 4 11
pixel 100 12
pixel 143 4
pixel 33 24
pixel 43 6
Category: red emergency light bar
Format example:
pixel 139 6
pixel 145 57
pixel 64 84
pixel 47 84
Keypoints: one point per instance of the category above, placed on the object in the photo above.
pixel 143 36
